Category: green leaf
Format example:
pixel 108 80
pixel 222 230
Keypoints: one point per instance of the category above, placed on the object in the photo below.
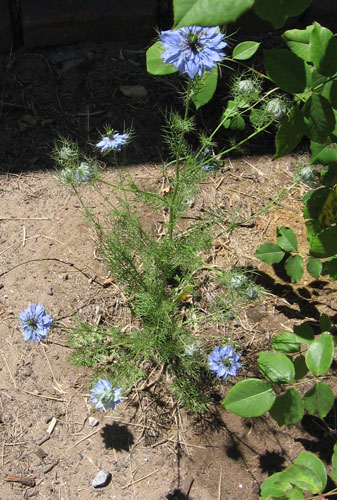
pixel 269 253
pixel 289 133
pixel 250 398
pixel 208 12
pixel 329 91
pixel 314 267
pixel 155 64
pixel 294 494
pixel 275 486
pixel 313 463
pixel 319 118
pixel 256 117
pixel 301 368
pixel 245 50
pixel 276 367
pixel 286 342
pixel 314 202
pixel 313 229
pixel 328 176
pixel 304 333
pixel 330 267
pixel 303 477
pixel 319 399
pixel 237 123
pixel 292 8
pixel 206 87
pixel 319 355
pixel 274 15
pixel 323 49
pixel 325 243
pixel 324 155
pixel 328 215
pixel 286 70
pixel 298 42
pixel 288 408
pixel 324 323
pixel 294 268
pixel 286 239
pixel 334 463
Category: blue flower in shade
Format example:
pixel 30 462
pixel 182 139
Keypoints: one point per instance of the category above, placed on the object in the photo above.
pixel 83 173
pixel 105 396
pixel 112 141
pixel 207 160
pixel 35 322
pixel 193 49
pixel 224 361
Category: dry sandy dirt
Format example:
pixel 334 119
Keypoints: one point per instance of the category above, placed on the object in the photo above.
pixel 153 449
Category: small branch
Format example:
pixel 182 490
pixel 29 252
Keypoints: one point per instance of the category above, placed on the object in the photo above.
pixel 26 481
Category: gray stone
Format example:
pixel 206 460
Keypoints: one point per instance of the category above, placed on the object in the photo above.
pixel 93 421
pixel 72 21
pixel 101 479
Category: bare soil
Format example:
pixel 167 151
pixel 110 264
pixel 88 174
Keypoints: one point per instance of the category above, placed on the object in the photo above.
pixel 48 253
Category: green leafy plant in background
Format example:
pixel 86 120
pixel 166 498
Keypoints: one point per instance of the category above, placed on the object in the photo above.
pixel 301 359
pixel 306 475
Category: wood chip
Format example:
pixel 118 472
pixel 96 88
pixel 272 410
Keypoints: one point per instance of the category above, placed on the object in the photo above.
pixel 51 425
pixel 49 467
pixel 40 453
pixel 26 481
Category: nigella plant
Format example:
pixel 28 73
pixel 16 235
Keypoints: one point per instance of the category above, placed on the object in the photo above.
pixel 113 141
pixel 224 361
pixel 105 396
pixel 193 49
pixel 35 322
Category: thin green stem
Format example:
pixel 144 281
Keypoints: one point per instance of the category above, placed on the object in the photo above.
pixel 172 209
pixel 258 131
pixel 103 196
pixel 265 208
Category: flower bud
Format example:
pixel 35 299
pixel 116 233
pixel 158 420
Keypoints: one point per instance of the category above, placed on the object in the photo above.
pixel 276 108
pixel 307 174
pixel 245 87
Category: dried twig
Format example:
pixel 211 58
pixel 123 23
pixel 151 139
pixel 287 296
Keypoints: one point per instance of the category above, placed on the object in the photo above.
pixel 26 481
pixel 140 479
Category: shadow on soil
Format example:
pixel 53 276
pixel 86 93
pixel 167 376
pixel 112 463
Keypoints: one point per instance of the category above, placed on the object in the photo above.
pixel 303 300
pixel 117 437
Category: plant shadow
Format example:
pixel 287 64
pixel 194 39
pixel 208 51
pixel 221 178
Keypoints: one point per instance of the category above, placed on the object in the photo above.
pixel 302 303
pixel 324 434
pixel 117 437
pixel 271 462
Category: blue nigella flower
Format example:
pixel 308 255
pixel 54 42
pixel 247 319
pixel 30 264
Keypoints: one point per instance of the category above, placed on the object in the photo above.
pixel 224 362
pixel 112 141
pixel 105 396
pixel 207 160
pixel 83 173
pixel 35 322
pixel 193 49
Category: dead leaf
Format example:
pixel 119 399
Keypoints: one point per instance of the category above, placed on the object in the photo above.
pixel 166 190
pixel 186 298
pixel 107 282
pixel 135 91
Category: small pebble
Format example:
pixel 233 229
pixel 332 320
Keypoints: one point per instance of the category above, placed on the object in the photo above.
pixel 101 479
pixel 93 421
pixel 50 291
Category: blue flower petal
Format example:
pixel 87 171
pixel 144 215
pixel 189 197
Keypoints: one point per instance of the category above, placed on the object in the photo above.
pixel 192 50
